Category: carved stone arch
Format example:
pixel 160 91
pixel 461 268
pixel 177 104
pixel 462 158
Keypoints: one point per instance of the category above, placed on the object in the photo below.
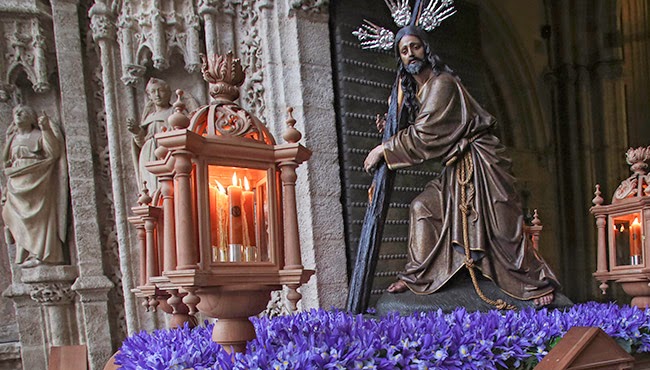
pixel 512 85
pixel 144 55
pixel 516 95
pixel 14 70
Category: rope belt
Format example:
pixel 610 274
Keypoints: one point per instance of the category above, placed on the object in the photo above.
pixel 464 174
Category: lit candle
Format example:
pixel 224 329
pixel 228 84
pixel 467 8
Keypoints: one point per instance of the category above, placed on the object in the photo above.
pixel 214 220
pixel 235 232
pixel 249 216
pixel 212 192
pixel 222 221
pixel 635 240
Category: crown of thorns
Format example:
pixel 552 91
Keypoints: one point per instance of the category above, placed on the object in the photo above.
pixel 426 15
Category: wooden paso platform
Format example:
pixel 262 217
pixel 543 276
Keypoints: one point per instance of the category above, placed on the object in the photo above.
pixel 458 292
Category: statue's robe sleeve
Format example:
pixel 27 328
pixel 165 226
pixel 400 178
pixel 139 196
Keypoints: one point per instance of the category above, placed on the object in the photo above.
pixel 451 123
pixel 436 128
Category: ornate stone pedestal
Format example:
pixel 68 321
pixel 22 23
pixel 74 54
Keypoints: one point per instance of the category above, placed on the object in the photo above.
pixel 45 292
pixel 51 287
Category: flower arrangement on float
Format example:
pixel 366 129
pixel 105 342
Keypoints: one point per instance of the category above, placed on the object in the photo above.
pixel 321 339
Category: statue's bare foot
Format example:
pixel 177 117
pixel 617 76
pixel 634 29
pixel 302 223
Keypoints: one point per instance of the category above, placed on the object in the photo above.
pixel 31 262
pixel 544 300
pixel 397 287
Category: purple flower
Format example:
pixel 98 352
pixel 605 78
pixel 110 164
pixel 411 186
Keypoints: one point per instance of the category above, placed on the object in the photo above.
pixel 320 339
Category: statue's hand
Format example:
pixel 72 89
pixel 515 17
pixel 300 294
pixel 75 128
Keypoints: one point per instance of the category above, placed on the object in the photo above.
pixel 380 122
pixel 44 122
pixel 374 157
pixel 132 126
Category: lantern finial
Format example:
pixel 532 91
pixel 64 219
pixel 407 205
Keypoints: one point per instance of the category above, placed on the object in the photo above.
pixel 144 198
pixel 598 200
pixel 636 158
pixel 177 119
pixel 225 74
pixel 291 135
pixel 536 221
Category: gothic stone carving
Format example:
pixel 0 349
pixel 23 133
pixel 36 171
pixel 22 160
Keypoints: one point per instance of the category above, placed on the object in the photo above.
pixel 105 198
pixel 26 50
pixel 216 6
pixel 251 52
pixel 311 6
pixel 52 294
pixel 151 30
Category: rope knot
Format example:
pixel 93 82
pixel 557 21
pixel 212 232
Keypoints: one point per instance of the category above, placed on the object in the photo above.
pixel 500 304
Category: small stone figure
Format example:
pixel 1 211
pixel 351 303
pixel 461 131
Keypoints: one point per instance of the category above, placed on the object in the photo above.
pixel 35 200
pixel 154 120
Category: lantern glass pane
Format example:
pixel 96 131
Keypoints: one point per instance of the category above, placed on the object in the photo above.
pixel 627 239
pixel 238 214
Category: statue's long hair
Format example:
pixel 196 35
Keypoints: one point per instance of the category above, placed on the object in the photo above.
pixel 409 86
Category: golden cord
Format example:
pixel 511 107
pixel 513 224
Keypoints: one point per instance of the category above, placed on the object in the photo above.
pixel 464 174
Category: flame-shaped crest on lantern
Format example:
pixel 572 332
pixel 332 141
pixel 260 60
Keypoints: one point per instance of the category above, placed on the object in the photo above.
pixel 637 158
pixel 637 185
pixel 225 74
pixel 223 116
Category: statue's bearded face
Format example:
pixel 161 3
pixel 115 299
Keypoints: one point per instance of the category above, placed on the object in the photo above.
pixel 411 52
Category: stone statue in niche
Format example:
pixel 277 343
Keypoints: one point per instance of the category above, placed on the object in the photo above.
pixel 35 198
pixel 154 120
pixel 157 109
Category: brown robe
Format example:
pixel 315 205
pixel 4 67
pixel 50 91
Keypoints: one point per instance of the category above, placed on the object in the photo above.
pixel 451 123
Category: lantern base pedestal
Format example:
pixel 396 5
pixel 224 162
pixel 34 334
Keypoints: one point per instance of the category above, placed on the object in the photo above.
pixel 178 320
pixel 233 334
pixel 638 290
pixel 232 306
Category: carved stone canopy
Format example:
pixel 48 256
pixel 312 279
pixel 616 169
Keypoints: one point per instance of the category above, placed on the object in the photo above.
pixel 26 52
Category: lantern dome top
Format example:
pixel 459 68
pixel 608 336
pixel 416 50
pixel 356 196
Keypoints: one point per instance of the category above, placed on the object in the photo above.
pixel 223 117
pixel 637 185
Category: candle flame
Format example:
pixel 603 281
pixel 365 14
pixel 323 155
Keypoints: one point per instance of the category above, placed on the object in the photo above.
pixel 246 184
pixel 234 178
pixel 220 187
pixel 636 221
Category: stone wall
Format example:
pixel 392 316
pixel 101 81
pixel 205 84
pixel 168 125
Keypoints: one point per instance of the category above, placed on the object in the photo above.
pixel 86 64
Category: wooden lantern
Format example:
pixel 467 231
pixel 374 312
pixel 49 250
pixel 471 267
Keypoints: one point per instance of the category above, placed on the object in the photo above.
pixel 221 233
pixel 622 228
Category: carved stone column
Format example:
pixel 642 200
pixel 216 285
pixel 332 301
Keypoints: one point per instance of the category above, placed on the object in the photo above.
pixel 33 341
pixel 91 284
pixel 103 31
pixel 218 19
pixel 571 166
pixel 297 55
